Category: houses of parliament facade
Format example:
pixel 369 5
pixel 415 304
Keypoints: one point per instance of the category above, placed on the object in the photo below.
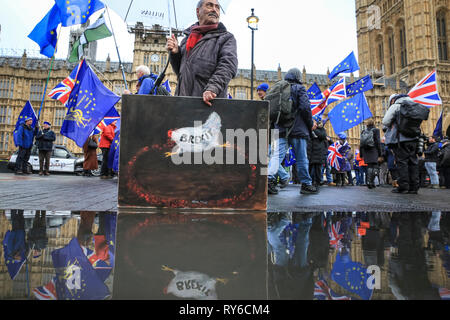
pixel 399 43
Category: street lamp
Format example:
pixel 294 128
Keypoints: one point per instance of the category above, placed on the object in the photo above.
pixel 253 25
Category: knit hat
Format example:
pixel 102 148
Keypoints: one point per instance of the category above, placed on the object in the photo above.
pixel 28 119
pixel 264 87
pixel 342 136
pixel 48 123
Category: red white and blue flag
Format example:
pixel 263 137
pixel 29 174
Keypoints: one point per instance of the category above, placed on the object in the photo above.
pixel 63 90
pixel 323 292
pixel 47 292
pixel 426 91
pixel 337 92
pixel 335 235
pixel 109 118
pixel 444 293
pixel 335 158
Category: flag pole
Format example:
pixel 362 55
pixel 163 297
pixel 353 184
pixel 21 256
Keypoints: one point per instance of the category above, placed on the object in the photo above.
pixel 117 48
pixel 126 16
pixel 48 77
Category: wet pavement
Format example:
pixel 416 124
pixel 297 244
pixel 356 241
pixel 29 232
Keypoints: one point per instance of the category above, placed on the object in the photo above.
pixel 224 256
pixel 76 193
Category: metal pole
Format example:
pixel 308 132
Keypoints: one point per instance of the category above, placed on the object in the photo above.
pixel 117 48
pixel 253 56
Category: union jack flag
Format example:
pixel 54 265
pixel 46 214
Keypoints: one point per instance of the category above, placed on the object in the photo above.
pixel 336 235
pixel 335 157
pixel 338 92
pixel 62 91
pixel 110 117
pixel 444 293
pixel 47 292
pixel 426 91
pixel 323 292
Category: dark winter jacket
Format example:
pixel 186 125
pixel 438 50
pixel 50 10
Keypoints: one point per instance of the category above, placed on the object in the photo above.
pixel 45 140
pixel 209 66
pixel 392 135
pixel 303 121
pixel 25 136
pixel 431 153
pixel 316 147
pixel 444 156
pixel 371 154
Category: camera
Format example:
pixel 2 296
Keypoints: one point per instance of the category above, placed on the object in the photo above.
pixel 421 145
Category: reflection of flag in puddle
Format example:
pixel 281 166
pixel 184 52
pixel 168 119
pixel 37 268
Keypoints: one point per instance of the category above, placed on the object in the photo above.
pixel 323 292
pixel 444 293
pixel 192 285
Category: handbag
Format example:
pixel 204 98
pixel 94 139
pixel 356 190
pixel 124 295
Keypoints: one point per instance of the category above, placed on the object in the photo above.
pixel 92 144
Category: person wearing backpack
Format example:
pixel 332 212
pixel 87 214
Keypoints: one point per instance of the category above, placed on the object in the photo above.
pixel 403 120
pixel 444 162
pixel 370 147
pixel 299 132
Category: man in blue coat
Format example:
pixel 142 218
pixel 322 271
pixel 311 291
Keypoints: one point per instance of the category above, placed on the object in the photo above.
pixel 25 137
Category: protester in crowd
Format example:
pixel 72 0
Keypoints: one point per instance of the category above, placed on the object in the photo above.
pixel 431 159
pixel 350 159
pixel 382 162
pixel 316 153
pixel 444 162
pixel 404 147
pixel 327 167
pixel 90 156
pixel 345 165
pixel 262 90
pixel 206 60
pixel 25 137
pixel 357 169
pixel 362 169
pixel 145 82
pixel 302 129
pixel 370 148
pixel 37 235
pixel 106 140
pixel 45 139
pixel 392 166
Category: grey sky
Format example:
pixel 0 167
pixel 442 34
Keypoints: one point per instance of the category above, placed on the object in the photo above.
pixel 293 33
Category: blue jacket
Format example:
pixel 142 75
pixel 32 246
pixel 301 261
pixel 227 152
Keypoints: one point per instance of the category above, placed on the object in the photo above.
pixel 303 122
pixel 145 84
pixel 45 140
pixel 25 136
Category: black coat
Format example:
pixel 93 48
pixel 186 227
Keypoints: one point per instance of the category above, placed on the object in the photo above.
pixel 316 147
pixel 45 140
pixel 371 154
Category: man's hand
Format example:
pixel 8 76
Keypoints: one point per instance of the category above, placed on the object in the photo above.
pixel 126 92
pixel 172 45
pixel 208 96
pixel 314 125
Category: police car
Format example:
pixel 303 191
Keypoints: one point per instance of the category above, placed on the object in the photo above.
pixel 62 160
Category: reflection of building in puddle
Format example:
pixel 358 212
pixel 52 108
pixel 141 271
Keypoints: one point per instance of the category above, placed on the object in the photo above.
pixel 61 228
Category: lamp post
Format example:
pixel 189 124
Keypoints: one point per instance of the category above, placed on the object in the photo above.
pixel 253 25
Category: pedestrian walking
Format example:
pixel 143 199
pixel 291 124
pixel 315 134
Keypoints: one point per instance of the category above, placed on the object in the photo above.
pixel 90 156
pixel 206 59
pixel 45 139
pixel 431 159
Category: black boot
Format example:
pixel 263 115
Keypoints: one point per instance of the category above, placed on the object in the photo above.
pixel 272 187
pixel 371 178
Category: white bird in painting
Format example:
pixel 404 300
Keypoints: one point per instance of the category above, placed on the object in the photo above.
pixel 198 139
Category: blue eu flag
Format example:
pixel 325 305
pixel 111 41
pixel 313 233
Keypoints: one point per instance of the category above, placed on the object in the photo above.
pixel 348 65
pixel 351 276
pixel 314 92
pixel 88 104
pixel 362 85
pixel 45 33
pixel 438 131
pixel 27 112
pixel 76 279
pixel 14 249
pixel 350 113
pixel 74 12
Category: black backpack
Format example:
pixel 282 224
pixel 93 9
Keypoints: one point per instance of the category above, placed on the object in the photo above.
pixel 410 118
pixel 281 105
pixel 367 139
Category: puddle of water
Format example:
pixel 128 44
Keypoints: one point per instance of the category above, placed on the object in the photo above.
pixel 226 256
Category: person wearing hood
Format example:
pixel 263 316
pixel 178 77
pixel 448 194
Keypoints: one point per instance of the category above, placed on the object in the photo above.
pixel 301 132
pixel 206 59
pixel 404 147
pixel 25 137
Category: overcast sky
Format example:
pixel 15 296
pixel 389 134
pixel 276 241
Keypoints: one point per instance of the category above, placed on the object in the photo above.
pixel 293 33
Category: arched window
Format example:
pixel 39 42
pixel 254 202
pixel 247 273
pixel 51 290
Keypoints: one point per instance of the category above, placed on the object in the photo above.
pixel 391 46
pixel 380 53
pixel 403 52
pixel 441 24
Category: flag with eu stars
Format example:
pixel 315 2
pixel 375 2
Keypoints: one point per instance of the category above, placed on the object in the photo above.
pixel 45 33
pixel 14 249
pixel 438 131
pixel 362 85
pixel 27 112
pixel 76 278
pixel 88 104
pixel 74 12
pixel 348 65
pixel 352 276
pixel 350 113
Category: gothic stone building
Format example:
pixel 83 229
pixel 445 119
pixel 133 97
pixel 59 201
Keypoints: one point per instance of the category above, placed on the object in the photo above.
pixel 399 43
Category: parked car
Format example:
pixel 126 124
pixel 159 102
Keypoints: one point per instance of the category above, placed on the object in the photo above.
pixel 62 160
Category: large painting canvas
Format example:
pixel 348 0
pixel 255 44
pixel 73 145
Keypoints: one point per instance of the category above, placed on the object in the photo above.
pixel 177 152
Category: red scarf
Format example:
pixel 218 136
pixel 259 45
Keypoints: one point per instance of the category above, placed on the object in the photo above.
pixel 197 33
